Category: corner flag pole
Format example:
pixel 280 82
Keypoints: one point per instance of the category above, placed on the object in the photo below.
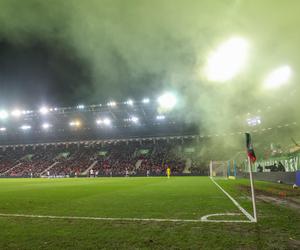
pixel 252 190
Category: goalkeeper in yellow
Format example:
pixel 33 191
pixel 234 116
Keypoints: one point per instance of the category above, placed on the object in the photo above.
pixel 168 172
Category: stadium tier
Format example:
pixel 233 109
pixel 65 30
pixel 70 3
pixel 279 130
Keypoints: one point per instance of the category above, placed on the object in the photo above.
pixel 131 118
pixel 136 157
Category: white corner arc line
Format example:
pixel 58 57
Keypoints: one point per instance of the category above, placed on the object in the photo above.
pixel 249 216
pixel 205 218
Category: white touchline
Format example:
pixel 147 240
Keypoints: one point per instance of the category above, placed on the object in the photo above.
pixel 96 218
pixel 249 216
pixel 112 219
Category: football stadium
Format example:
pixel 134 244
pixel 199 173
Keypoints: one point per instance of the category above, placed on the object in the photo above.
pixel 144 124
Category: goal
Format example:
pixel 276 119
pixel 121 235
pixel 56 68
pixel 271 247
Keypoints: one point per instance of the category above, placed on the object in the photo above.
pixel 219 169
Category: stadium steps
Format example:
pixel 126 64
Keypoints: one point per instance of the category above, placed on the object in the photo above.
pixel 12 168
pixel 47 169
pixel 85 172
pixel 138 164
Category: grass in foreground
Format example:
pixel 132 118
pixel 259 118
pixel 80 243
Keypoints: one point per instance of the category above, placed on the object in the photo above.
pixel 179 197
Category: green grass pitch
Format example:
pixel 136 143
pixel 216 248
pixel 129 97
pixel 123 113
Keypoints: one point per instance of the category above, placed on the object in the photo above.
pixel 182 198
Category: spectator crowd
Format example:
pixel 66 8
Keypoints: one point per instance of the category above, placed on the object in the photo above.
pixel 125 158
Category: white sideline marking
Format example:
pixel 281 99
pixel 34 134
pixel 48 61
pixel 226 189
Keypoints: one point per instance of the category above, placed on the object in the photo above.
pixel 249 216
pixel 203 218
pixel 119 219
pixel 96 218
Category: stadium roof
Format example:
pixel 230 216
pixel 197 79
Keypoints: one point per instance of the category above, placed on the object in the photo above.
pixel 130 118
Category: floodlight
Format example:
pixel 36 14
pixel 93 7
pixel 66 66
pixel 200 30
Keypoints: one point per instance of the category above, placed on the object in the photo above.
pixel 254 121
pixel 16 113
pixel 25 127
pixel 25 112
pixel 80 106
pixel 134 119
pixel 167 101
pixel 129 102
pixel 278 77
pixel 46 125
pixel 227 60
pixel 44 110
pixel 106 121
pixel 2 129
pixel 160 117
pixel 146 100
pixel 3 114
pixel 112 104
pixel 99 122
pixel 75 123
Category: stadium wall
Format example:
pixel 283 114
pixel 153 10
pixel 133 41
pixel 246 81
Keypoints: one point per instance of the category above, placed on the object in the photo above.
pixel 285 177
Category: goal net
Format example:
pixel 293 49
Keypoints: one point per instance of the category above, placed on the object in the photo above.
pixel 219 169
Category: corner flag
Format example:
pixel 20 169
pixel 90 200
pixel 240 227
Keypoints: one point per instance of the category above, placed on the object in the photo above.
pixel 250 150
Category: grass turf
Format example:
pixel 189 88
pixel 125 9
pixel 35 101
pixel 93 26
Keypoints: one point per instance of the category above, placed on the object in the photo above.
pixel 175 198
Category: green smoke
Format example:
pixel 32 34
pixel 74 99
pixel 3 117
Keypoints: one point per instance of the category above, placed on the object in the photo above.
pixel 142 46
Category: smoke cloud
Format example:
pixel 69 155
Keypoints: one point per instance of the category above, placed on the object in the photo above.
pixel 139 47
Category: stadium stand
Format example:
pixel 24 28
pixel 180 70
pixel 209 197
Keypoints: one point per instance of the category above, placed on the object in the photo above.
pixel 105 158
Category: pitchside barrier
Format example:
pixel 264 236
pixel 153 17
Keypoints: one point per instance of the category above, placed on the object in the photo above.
pixel 285 177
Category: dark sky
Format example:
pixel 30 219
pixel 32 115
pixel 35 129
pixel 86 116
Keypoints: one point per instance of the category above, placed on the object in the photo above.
pixel 73 51
pixel 37 73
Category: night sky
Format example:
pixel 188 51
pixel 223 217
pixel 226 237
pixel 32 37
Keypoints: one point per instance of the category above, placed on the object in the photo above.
pixel 39 73
pixel 69 52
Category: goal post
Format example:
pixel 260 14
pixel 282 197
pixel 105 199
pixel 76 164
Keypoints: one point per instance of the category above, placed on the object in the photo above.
pixel 223 169
pixel 219 169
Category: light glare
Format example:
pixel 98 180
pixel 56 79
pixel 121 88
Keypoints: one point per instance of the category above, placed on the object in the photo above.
pixel 227 60
pixel 254 121
pixel 134 119
pixel 106 121
pixel 167 102
pixel 44 110
pixel 16 113
pixel 3 114
pixel 46 125
pixel 160 117
pixel 25 127
pixel 129 102
pixel 146 100
pixel 75 123
pixel 112 104
pixel 278 77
